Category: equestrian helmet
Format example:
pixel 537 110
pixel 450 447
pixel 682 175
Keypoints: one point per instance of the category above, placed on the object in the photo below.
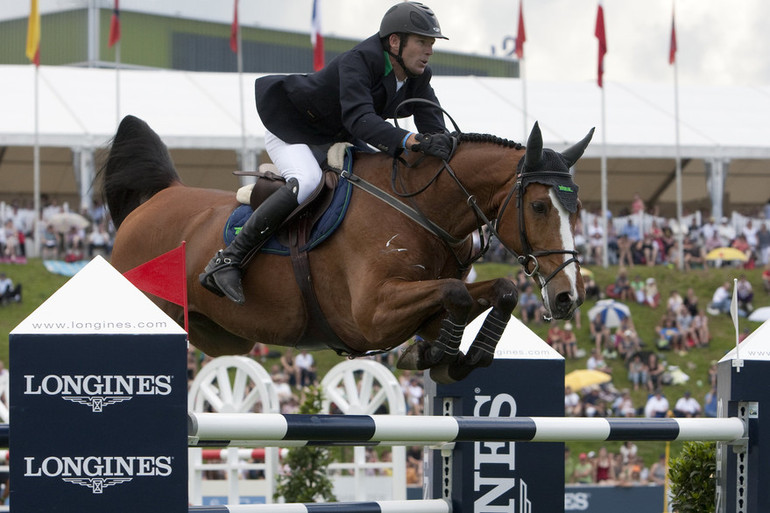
pixel 411 18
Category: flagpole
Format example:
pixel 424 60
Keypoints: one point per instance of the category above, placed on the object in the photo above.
pixel 240 89
pixel 117 83
pixel 36 163
pixel 672 56
pixel 605 225
pixel 523 77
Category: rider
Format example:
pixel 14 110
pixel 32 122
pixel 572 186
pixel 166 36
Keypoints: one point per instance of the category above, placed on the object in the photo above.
pixel 349 100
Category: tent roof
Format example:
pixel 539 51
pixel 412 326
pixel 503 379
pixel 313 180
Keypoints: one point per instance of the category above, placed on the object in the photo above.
pixel 195 110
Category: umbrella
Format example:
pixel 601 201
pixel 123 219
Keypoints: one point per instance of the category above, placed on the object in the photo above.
pixel 726 253
pixel 586 273
pixel 582 378
pixel 63 221
pixel 760 314
pixel 611 312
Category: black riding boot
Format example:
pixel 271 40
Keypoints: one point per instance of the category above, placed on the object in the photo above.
pixel 222 275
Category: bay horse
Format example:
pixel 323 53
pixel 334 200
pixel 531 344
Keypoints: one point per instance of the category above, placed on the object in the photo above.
pixel 382 277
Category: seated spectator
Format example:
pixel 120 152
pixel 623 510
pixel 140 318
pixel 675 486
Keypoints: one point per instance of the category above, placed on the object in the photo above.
pixel 572 404
pixel 669 336
pixel 700 325
pixel 655 370
pixel 684 321
pixel 693 254
pixel 98 242
pixel 621 289
pixel 605 343
pixel 658 471
pixel 710 403
pixel 596 362
pixel 637 286
pixel 530 305
pixel 637 372
pixel 51 243
pixel 687 406
pixel 691 302
pixel 720 301
pixel 584 470
pixel 554 338
pixel 8 292
pixel 596 240
pixel 306 367
pixel 624 405
pixel 569 341
pixel 603 467
pixel 627 342
pixel 657 405
pixel 74 243
pixel 592 289
pixel 745 294
pixel 10 243
pixel 674 301
pixel 740 244
pixel 651 294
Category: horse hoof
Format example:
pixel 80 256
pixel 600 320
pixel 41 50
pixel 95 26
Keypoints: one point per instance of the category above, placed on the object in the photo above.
pixel 440 374
pixel 410 358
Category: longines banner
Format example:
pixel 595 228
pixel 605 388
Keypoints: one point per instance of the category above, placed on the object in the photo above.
pixel 98 414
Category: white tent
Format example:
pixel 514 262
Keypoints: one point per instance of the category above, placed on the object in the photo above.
pixel 721 127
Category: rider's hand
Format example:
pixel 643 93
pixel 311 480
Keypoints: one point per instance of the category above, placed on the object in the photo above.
pixel 436 145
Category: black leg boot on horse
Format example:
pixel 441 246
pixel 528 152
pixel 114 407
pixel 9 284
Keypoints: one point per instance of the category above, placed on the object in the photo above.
pixel 222 275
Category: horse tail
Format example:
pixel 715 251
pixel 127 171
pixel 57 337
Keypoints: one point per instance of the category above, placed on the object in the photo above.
pixel 138 166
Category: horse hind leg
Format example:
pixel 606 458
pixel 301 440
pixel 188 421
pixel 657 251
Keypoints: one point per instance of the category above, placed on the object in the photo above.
pixel 481 353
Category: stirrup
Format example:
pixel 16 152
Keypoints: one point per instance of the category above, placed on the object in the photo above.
pixel 217 263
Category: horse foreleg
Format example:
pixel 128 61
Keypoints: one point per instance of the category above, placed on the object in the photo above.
pixel 456 302
pixel 503 296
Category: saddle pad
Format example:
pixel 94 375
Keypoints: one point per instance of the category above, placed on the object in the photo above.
pixel 325 226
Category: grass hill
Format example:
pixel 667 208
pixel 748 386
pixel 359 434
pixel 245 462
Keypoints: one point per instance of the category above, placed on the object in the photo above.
pixel 39 284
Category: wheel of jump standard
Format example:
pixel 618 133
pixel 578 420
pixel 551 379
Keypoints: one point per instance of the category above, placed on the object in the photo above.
pixel 361 387
pixel 233 384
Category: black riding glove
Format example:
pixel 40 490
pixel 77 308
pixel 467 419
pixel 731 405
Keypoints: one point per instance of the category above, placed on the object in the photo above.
pixel 436 145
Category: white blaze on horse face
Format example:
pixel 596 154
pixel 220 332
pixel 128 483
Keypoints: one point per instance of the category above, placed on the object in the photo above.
pixel 568 244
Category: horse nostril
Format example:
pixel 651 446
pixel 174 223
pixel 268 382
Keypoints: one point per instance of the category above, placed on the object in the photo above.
pixel 563 299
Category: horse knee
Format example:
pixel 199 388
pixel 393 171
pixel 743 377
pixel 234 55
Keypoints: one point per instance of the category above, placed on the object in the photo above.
pixel 457 300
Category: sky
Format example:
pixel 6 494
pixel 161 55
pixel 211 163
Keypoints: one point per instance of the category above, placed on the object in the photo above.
pixel 720 42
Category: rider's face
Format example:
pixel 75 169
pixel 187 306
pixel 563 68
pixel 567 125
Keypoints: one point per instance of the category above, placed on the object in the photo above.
pixel 416 52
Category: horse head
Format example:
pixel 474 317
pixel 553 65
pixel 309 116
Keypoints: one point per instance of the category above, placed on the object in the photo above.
pixel 547 211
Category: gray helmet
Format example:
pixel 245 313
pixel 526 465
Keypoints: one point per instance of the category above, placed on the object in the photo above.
pixel 411 18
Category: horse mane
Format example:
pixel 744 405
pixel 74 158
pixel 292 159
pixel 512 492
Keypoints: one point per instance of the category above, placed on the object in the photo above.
pixel 138 166
pixel 488 138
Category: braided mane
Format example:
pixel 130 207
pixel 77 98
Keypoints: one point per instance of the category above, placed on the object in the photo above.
pixel 487 138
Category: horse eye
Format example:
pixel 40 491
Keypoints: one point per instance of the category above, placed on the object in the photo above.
pixel 539 207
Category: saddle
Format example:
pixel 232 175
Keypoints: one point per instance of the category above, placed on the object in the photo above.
pixel 295 234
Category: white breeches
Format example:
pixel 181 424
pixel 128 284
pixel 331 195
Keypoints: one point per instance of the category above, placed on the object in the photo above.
pixel 294 161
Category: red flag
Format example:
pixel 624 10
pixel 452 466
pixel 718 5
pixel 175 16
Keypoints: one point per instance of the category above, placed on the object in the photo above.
pixel 316 38
pixel 114 26
pixel 164 276
pixel 602 37
pixel 521 35
pixel 234 30
pixel 33 33
pixel 672 49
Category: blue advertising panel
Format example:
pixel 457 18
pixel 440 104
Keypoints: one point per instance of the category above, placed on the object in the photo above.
pixel 98 422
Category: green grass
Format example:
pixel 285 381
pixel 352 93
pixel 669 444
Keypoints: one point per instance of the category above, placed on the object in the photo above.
pixel 39 284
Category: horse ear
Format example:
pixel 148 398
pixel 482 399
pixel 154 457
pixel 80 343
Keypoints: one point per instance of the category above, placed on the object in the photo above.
pixel 534 148
pixel 574 152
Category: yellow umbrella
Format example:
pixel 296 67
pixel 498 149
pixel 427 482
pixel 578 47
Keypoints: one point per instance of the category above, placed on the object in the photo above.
pixel 586 273
pixel 582 378
pixel 726 253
